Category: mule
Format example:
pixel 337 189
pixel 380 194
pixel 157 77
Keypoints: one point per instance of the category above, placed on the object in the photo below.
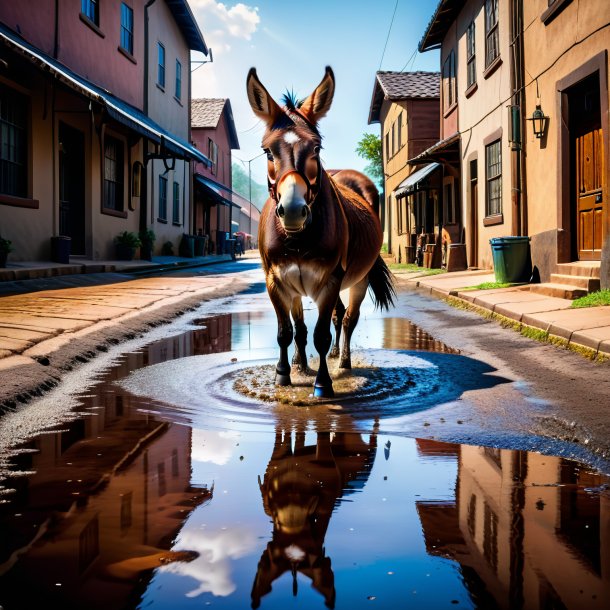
pixel 318 234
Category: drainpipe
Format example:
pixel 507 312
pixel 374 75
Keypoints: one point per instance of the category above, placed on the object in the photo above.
pixel 517 156
pixel 149 175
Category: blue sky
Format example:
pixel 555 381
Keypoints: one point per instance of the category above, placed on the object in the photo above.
pixel 290 43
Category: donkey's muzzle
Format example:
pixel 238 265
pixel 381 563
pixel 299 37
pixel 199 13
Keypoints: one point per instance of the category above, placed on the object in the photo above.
pixel 292 208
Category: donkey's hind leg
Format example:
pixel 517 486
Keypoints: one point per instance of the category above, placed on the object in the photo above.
pixel 300 337
pixel 352 314
pixel 338 314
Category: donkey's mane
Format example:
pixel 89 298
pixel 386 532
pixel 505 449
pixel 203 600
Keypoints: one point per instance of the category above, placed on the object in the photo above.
pixel 291 101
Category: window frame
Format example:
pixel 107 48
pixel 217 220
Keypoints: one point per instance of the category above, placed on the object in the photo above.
pixel 90 9
pixel 162 211
pixel 399 131
pixel 471 61
pixel 492 32
pixel 493 210
pixel 449 82
pixel 126 28
pixel 213 155
pixel 116 178
pixel 176 203
pixel 18 126
pixel 178 84
pixel 161 65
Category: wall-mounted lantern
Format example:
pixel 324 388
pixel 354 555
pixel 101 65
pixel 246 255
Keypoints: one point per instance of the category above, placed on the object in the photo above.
pixel 539 121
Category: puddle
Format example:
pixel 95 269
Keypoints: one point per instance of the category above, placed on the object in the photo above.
pixel 174 490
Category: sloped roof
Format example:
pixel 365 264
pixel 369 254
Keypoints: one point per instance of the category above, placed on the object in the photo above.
pixel 188 25
pixel 402 86
pixel 206 113
pixel 444 15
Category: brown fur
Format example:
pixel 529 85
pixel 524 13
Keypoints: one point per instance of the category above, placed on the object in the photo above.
pixel 332 240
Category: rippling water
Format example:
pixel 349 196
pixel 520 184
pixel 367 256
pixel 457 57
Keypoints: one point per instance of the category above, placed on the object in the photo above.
pixel 170 489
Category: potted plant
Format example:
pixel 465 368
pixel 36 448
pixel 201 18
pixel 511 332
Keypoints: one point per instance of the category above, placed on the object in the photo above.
pixel 147 237
pixel 167 249
pixel 126 243
pixel 5 248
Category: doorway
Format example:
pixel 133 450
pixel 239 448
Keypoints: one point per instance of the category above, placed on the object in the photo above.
pixel 587 152
pixel 72 187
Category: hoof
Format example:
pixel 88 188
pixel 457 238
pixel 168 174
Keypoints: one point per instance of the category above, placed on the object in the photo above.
pixel 282 380
pixel 323 391
pixel 345 364
pixel 334 353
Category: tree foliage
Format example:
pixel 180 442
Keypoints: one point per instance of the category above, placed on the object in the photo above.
pixel 241 185
pixel 369 148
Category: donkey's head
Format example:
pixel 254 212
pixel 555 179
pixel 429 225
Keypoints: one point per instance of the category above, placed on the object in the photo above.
pixel 292 143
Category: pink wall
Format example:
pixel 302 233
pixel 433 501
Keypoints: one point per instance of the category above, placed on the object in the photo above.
pixel 220 135
pixel 80 46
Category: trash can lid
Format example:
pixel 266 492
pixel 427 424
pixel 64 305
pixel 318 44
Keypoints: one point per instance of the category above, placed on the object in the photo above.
pixel 509 239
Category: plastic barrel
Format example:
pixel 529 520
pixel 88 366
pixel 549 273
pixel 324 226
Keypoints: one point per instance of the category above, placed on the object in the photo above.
pixel 511 258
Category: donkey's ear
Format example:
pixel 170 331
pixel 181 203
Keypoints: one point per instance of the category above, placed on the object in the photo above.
pixel 318 103
pixel 263 105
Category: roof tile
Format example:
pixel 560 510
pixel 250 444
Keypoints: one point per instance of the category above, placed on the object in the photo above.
pixel 402 85
pixel 206 112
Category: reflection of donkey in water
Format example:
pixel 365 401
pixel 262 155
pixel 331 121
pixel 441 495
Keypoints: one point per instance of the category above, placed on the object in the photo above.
pixel 300 490
pixel 318 234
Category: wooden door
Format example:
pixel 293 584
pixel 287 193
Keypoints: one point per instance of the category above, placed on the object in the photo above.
pixel 589 197
pixel 72 186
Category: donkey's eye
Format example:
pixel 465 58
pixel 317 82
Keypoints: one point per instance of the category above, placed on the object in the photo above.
pixel 316 150
pixel 269 155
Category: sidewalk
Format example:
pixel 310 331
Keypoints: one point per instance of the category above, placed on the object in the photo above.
pixel 53 308
pixel 585 330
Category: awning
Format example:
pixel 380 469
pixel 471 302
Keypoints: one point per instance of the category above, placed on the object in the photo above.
pixel 117 109
pixel 214 191
pixel 445 151
pixel 417 181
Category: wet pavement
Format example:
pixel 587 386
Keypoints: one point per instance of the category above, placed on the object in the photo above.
pixel 147 480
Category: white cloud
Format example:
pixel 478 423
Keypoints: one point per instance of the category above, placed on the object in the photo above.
pixel 240 20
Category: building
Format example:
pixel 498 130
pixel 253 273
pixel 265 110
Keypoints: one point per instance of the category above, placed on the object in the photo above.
pixel 525 123
pixel 406 104
pixel 95 124
pixel 566 64
pixel 213 131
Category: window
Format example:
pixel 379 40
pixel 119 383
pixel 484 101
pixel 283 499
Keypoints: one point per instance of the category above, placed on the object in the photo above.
pixel 449 201
pixel 13 143
pixel 393 138
pixel 113 174
pixel 127 28
pixel 399 136
pixel 492 44
pixel 161 65
pixel 163 198
pixel 91 10
pixel 493 173
pixel 213 155
pixel 178 92
pixel 387 145
pixel 471 65
pixel 176 206
pixel 449 89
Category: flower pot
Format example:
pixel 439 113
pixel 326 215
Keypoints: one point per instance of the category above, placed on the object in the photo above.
pixel 146 252
pixel 187 246
pixel 125 252
pixel 60 249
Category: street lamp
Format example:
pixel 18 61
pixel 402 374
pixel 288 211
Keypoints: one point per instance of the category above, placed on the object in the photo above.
pixel 249 161
pixel 539 121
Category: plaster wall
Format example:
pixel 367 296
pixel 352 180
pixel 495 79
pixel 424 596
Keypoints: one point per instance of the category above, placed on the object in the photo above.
pixel 483 116
pixel 554 50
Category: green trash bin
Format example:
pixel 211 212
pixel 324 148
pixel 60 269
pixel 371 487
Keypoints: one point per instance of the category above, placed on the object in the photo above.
pixel 511 259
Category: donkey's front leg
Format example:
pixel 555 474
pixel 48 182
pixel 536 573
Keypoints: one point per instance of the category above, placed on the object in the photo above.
pixel 284 334
pixel 322 339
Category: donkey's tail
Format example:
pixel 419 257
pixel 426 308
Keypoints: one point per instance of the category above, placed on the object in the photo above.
pixel 381 284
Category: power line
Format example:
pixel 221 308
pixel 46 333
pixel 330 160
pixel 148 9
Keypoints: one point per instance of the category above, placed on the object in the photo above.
pixel 388 36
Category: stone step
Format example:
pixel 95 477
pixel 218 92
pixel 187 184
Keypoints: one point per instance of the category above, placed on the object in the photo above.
pixel 590 284
pixel 583 268
pixel 561 291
